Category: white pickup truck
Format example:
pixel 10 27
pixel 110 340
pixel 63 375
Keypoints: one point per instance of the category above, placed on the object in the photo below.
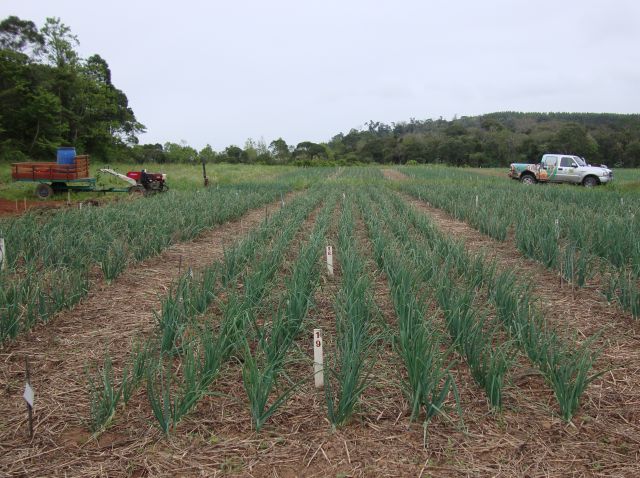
pixel 561 168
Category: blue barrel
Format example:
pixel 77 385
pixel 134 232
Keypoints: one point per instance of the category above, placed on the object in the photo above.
pixel 66 155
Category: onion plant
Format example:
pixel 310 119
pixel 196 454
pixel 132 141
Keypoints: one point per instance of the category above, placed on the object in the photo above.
pixel 352 360
pixel 264 362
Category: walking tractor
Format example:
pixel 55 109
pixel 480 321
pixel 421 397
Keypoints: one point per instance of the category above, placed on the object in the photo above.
pixel 71 173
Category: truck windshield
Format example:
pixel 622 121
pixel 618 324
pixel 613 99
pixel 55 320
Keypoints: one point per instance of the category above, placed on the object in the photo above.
pixel 580 161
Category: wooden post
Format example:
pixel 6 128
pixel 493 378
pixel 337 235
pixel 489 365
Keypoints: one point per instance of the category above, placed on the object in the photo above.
pixel 204 174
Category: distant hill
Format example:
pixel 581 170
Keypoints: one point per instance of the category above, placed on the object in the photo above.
pixel 495 139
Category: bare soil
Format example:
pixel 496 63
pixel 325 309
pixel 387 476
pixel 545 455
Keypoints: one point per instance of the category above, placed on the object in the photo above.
pixel 10 207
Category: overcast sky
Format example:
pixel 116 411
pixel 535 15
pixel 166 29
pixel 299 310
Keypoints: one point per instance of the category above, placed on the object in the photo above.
pixel 219 72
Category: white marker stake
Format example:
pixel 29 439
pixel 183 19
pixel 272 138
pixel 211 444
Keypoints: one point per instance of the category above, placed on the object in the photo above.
pixel 330 260
pixel 318 373
pixel 2 253
pixel 28 395
pixel 476 200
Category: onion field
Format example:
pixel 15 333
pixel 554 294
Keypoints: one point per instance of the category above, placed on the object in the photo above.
pixel 468 325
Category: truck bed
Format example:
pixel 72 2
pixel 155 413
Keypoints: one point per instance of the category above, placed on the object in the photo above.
pixel 43 171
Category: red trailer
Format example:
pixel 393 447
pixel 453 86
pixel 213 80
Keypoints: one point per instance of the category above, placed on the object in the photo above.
pixel 54 177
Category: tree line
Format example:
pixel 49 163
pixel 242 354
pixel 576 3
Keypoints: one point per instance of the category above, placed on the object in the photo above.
pixel 51 97
pixel 491 140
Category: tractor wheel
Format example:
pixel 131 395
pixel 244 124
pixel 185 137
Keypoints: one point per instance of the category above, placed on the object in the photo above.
pixel 528 179
pixel 43 191
pixel 139 190
pixel 589 182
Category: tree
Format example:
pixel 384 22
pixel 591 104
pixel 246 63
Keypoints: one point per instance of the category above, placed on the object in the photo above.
pixel 233 154
pixel 208 155
pixel 573 138
pixel 279 150
pixel 632 155
pixel 250 153
pixel 307 149
pixel 59 43
pixel 180 153
pixel 20 36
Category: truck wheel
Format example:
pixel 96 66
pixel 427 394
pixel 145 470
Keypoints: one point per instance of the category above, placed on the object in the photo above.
pixel 527 179
pixel 589 182
pixel 43 191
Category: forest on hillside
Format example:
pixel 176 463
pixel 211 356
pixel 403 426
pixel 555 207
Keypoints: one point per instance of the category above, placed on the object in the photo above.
pixel 50 97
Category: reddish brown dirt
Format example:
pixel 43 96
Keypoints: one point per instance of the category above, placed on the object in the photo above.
pixel 10 207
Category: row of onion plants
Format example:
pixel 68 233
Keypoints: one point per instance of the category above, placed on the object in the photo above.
pixel 49 259
pixel 182 330
pixel 274 330
pixel 567 367
pixel 428 380
pixel 350 370
pixel 581 233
